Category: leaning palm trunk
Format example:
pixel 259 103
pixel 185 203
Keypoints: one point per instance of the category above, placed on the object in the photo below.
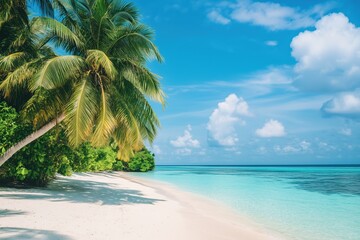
pixel 35 135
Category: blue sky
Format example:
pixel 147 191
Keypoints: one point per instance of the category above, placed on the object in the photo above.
pixel 257 82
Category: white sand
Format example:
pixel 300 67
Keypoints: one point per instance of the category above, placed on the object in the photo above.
pixel 116 206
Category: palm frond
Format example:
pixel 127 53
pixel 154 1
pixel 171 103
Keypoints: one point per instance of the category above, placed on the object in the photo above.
pixel 45 7
pixel 125 142
pixel 121 12
pixel 57 71
pixel 63 35
pixel 134 41
pixel 99 9
pixel 136 120
pixel 45 105
pixel 7 63
pixel 147 82
pixel 98 59
pixel 80 112
pixel 105 123
pixel 18 78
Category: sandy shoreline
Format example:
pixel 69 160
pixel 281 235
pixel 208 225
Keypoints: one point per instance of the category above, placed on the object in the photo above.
pixel 118 206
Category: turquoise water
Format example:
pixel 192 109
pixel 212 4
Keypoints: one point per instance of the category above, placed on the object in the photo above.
pixel 301 203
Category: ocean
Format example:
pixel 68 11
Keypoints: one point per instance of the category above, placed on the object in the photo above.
pixel 298 202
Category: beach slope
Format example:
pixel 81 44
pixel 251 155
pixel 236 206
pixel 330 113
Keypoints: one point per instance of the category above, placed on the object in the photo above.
pixel 117 206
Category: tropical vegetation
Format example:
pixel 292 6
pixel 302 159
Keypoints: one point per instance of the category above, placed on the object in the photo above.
pixel 39 162
pixel 95 93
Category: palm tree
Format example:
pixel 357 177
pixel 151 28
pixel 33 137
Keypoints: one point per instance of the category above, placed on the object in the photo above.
pixel 101 88
pixel 18 45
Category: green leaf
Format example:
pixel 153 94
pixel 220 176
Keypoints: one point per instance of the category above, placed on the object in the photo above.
pixel 66 37
pixel 105 123
pixel 8 62
pixel 98 59
pixel 57 71
pixel 81 112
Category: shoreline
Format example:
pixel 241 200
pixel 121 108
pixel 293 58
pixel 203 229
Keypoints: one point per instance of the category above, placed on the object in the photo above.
pixel 202 204
pixel 118 206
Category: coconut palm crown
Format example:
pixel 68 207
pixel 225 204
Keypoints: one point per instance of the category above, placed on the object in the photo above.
pixel 101 86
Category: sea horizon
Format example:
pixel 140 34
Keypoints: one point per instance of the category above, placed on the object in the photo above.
pixel 261 165
pixel 307 202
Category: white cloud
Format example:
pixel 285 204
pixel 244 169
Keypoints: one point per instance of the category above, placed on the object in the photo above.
pixel 302 147
pixel 271 15
pixel 287 149
pixel 328 58
pixel 281 75
pixel 216 17
pixel 183 151
pixel 202 152
pixel 272 76
pixel 325 146
pixel 271 43
pixel 156 149
pixel 263 82
pixel 224 119
pixel 262 150
pixel 290 149
pixel 345 105
pixel 305 145
pixel 272 128
pixel 346 131
pixel 186 140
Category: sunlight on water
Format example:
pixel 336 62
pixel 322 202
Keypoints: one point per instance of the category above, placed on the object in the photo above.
pixel 302 203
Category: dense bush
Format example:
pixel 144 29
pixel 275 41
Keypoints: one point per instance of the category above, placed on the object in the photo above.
pixel 143 161
pixel 38 163
pixel 10 129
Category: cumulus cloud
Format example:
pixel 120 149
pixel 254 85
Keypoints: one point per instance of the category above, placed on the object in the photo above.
pixel 271 15
pixel 223 120
pixel 216 17
pixel 186 140
pixel 272 128
pixel 344 104
pixel 328 58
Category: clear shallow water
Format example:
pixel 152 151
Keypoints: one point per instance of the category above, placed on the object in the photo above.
pixel 301 203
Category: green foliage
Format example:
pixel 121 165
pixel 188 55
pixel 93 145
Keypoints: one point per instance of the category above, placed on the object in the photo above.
pixel 118 166
pixel 8 126
pixel 38 163
pixel 103 86
pixel 142 161
pixel 89 159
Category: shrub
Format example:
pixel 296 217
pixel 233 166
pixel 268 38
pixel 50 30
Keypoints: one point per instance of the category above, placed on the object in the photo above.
pixel 143 161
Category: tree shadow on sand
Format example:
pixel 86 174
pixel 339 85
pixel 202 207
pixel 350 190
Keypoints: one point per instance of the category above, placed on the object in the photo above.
pixel 9 212
pixel 27 233
pixel 81 191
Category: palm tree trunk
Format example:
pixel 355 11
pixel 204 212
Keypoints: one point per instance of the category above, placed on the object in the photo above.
pixel 35 135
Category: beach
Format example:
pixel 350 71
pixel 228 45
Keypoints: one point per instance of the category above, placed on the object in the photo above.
pixel 118 206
